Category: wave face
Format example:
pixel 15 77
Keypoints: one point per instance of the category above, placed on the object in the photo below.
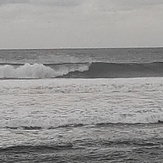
pixel 81 70
pixel 120 70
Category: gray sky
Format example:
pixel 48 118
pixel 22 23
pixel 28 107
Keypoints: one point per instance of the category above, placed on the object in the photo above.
pixel 80 23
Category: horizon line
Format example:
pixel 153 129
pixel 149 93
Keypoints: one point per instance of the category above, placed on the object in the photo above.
pixel 82 48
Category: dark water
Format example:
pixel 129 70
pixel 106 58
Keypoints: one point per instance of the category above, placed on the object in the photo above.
pixel 126 55
pixel 78 119
pixel 119 70
pixel 99 143
pixel 106 143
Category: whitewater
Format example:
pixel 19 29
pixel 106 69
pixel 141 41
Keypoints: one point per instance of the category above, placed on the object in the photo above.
pixel 110 101
pixel 66 106
pixel 46 117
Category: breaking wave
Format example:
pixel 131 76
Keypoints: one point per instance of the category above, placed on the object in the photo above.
pixel 39 70
pixel 81 70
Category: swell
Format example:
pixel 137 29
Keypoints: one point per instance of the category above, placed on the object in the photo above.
pixel 119 70
pixel 49 128
pixel 80 144
pixel 30 148
pixel 78 125
pixel 80 70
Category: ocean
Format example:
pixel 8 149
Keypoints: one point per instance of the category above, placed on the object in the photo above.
pixel 81 105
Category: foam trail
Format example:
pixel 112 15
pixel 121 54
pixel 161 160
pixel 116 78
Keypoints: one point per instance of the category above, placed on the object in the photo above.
pixel 37 71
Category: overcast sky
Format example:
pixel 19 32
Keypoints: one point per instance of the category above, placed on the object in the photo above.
pixel 80 23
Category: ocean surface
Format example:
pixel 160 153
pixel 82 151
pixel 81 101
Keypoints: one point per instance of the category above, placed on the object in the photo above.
pixel 81 106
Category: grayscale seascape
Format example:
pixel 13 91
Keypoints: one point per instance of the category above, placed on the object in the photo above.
pixel 81 105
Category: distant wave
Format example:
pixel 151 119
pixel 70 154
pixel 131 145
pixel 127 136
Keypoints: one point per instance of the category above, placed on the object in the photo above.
pixel 80 70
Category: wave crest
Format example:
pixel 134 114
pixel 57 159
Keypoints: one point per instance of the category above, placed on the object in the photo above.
pixel 81 70
pixel 38 70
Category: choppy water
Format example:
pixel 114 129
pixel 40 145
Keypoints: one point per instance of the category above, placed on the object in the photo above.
pixel 80 120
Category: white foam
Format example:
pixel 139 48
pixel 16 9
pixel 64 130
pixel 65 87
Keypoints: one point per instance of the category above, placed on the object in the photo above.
pixel 54 102
pixel 37 71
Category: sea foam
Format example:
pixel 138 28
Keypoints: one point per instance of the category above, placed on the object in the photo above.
pixel 61 102
pixel 37 71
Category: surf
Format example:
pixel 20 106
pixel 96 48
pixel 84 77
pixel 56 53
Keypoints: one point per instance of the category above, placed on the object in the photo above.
pixel 80 70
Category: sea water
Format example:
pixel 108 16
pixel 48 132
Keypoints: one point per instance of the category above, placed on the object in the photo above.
pixel 44 118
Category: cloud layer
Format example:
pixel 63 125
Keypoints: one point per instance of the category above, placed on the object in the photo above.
pixel 104 3
pixel 42 2
pixel 80 23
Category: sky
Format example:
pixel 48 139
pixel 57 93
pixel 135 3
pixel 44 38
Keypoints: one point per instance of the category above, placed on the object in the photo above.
pixel 80 23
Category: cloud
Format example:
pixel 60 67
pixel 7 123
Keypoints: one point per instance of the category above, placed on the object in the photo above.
pixel 121 5
pixel 88 6
pixel 20 8
pixel 80 23
pixel 5 2
pixel 135 4
pixel 58 3
pixel 98 5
